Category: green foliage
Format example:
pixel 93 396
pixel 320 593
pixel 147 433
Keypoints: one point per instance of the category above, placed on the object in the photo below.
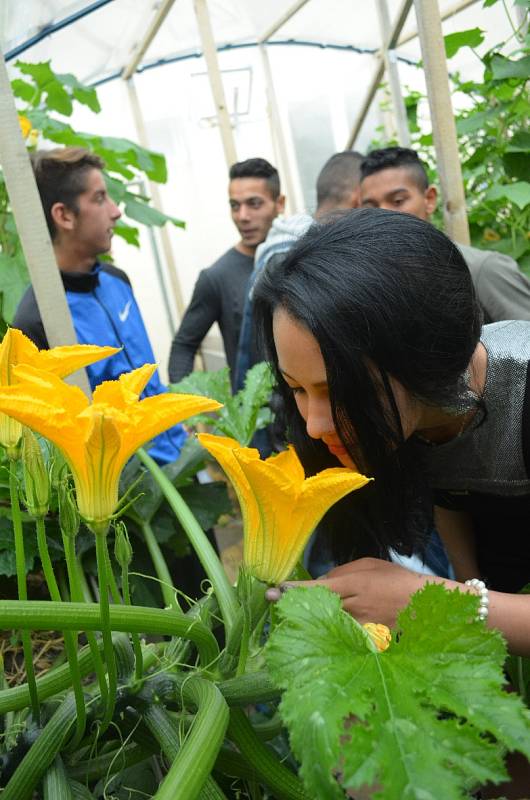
pixel 493 141
pixel 470 38
pixel 242 414
pixel 427 718
pixel 42 94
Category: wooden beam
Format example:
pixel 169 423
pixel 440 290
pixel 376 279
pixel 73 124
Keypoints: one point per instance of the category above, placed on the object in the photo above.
pixel 32 228
pixel 157 202
pixel 442 119
pixel 141 48
pixel 282 20
pixel 216 81
pixel 277 134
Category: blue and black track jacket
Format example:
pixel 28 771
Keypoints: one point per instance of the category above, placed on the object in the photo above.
pixel 105 312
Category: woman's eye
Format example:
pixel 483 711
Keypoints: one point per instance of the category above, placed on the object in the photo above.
pixel 296 390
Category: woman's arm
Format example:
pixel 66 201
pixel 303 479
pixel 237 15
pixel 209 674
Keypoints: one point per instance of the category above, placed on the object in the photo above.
pixel 373 590
pixel 456 531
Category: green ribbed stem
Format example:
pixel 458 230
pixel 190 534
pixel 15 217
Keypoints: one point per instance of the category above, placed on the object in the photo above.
pixel 102 557
pixel 193 762
pixel 77 594
pixel 111 580
pixel 55 784
pixel 161 568
pixel 46 615
pixel 199 541
pixel 138 658
pixel 41 754
pixel 70 638
pixel 283 783
pixel 20 558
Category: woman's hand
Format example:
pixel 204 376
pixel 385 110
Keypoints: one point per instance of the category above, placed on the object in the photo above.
pixel 371 590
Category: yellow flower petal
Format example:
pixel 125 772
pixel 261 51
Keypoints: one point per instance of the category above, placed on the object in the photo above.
pixel 222 449
pixel 289 510
pixel 25 125
pixel 380 635
pixel 16 348
pixel 126 389
pixel 96 439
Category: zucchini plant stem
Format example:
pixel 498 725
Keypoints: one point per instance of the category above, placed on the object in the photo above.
pixel 20 559
pixel 206 554
pixel 43 615
pixel 192 764
pixel 77 595
pixel 138 657
pixel 70 637
pixel 102 556
pixel 161 568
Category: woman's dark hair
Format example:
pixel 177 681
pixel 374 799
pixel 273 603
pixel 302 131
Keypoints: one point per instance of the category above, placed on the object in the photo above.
pixel 384 294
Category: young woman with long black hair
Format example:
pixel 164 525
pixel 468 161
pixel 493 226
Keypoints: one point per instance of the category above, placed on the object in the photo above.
pixel 374 331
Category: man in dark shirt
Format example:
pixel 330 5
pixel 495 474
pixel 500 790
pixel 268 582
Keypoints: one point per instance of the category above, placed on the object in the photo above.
pixel 219 293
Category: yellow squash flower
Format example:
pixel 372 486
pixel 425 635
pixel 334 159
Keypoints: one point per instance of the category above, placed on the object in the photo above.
pixel 379 634
pixel 279 505
pixel 98 438
pixel 16 349
pixel 25 125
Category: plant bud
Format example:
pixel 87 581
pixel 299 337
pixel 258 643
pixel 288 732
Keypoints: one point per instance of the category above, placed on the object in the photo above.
pixel 10 436
pixel 58 467
pixel 380 635
pixel 68 513
pixel 122 546
pixel 36 481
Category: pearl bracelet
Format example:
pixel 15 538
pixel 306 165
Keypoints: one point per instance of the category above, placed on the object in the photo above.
pixel 482 591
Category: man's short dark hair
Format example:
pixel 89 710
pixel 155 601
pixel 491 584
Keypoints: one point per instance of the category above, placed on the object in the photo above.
pixel 257 168
pixel 61 177
pixel 338 178
pixel 394 158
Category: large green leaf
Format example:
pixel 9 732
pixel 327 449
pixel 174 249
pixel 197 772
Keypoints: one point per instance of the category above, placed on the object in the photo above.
pixel 142 212
pixel 242 414
pixel 518 193
pixel 427 718
pixel 23 89
pixel 86 95
pixel 503 67
pixel 469 38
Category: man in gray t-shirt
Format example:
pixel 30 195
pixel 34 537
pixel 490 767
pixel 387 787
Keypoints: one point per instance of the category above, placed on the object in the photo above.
pixel 219 294
pixel 395 178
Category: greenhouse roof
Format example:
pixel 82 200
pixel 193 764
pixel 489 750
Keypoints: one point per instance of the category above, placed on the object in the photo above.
pixel 104 34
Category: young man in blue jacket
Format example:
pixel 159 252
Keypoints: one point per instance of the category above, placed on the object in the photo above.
pixel 81 217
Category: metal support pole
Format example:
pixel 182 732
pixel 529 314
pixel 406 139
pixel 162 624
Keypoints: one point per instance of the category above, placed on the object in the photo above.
pixel 396 39
pixel 141 48
pixel 442 119
pixel 155 196
pixel 216 82
pixel 277 133
pixel 389 57
pixel 32 228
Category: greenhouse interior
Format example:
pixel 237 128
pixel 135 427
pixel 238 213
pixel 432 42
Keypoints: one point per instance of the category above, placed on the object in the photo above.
pixel 264 399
